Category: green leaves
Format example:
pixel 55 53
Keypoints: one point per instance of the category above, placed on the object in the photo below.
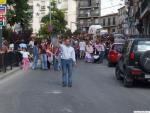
pixel 19 13
pixel 57 19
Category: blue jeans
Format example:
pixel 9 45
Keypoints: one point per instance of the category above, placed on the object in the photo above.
pixel 67 68
pixel 56 68
pixel 44 61
pixel 35 61
pixel 102 56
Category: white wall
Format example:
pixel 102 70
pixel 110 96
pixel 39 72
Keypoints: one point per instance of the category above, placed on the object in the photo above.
pixel 72 15
pixel 37 10
pixel 70 7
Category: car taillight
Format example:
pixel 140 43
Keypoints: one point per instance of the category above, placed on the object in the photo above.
pixel 136 72
pixel 132 56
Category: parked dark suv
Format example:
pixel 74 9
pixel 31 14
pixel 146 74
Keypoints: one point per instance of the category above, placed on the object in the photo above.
pixel 134 63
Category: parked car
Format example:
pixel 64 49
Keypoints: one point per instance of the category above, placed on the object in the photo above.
pixel 134 63
pixel 114 53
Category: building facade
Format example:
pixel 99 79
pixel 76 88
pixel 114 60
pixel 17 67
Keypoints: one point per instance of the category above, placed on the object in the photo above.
pixel 70 9
pixel 88 13
pixel 110 22
pixel 139 16
pixel 132 6
pixel 39 8
pixel 145 15
pixel 123 20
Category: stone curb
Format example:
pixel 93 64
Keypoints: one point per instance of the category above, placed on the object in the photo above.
pixel 9 73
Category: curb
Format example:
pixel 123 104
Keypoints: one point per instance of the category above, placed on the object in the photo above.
pixel 9 73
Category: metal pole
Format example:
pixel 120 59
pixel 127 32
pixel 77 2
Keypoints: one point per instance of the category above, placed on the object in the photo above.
pixel 50 16
pixel 1 40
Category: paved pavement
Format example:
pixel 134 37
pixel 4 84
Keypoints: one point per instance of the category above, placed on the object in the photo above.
pixel 95 90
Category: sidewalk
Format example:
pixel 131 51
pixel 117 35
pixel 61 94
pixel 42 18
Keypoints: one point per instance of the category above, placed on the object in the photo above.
pixel 9 72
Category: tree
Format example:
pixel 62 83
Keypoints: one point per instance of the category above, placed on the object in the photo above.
pixel 58 21
pixel 18 12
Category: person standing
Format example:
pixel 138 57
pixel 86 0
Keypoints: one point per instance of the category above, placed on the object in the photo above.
pixel 35 56
pixel 68 59
pixel 82 46
pixel 102 52
pixel 89 52
pixel 43 56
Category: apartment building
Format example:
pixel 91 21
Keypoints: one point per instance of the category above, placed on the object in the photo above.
pixel 70 9
pixel 145 15
pixel 122 20
pixel 88 13
pixel 110 22
pixel 39 9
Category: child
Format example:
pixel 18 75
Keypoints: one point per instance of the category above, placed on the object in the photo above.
pixel 25 60
pixel 89 52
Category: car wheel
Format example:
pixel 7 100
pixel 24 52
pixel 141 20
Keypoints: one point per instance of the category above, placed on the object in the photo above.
pixel 109 64
pixel 126 82
pixel 117 71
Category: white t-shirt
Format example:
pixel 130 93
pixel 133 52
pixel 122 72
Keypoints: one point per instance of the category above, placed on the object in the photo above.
pixel 31 43
pixel 82 46
pixel 24 54
pixel 68 53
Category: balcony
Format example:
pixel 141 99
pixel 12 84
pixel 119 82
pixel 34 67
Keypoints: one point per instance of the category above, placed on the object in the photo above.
pixel 96 15
pixel 87 6
pixel 83 16
pixel 145 7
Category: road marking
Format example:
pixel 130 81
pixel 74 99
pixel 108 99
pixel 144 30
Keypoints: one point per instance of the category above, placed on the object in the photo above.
pixel 54 92
pixel 67 110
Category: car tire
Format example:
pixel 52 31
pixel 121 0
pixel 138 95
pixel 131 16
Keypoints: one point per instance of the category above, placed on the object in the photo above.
pixel 126 82
pixel 117 74
pixel 110 64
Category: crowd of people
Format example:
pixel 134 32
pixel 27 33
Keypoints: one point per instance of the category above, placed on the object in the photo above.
pixel 60 55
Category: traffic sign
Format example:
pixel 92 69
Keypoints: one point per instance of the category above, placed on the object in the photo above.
pixel 2 10
pixel 3 1
pixel 2 21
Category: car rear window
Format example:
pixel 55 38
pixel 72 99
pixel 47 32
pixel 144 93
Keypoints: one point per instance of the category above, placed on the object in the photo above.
pixel 117 47
pixel 142 46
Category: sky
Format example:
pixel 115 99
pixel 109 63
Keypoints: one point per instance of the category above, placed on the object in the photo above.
pixel 110 6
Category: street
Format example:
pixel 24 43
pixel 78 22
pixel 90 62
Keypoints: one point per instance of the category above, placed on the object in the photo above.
pixel 95 90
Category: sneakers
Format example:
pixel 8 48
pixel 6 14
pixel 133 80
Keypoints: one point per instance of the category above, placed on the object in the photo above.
pixel 64 85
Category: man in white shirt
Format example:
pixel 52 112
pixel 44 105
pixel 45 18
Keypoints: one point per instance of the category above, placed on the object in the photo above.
pixel 82 46
pixel 67 59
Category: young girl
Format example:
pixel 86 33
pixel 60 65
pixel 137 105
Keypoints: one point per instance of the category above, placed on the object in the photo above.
pixel 25 60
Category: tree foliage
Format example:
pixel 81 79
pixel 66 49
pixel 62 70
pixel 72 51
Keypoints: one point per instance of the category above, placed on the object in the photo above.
pixel 18 12
pixel 57 20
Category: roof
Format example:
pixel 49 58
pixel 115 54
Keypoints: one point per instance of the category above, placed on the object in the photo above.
pixel 121 8
pixel 113 14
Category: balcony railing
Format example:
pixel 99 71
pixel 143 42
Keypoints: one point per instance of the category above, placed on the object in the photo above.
pixel 95 15
pixel 83 16
pixel 9 60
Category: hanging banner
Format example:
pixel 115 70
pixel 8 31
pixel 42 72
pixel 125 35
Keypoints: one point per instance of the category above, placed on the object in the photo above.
pixel 2 10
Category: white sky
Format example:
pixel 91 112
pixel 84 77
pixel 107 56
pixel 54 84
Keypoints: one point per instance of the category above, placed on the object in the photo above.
pixel 110 6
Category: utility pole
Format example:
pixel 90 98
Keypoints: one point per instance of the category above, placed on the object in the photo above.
pixel 50 16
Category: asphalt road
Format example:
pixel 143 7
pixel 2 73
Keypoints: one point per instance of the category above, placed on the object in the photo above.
pixel 95 90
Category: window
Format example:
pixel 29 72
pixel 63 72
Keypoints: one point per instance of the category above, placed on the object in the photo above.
pixel 113 30
pixel 108 21
pixel 90 2
pixel 96 21
pixel 114 21
pixel 104 22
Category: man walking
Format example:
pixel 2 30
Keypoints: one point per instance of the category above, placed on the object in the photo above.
pixel 68 59
pixel 35 56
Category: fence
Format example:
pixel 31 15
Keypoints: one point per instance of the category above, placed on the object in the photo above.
pixel 8 60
